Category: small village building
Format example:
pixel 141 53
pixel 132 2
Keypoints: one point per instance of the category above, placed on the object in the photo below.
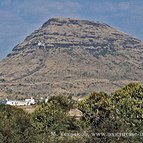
pixel 40 44
pixel 3 102
pixel 46 100
pixel 30 101
pixel 16 103
pixel 25 102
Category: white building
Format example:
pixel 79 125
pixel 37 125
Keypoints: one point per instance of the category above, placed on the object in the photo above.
pixel 46 100
pixel 40 44
pixel 30 101
pixel 25 102
pixel 16 103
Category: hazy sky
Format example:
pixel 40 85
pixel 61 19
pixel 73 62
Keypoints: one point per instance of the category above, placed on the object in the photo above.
pixel 18 18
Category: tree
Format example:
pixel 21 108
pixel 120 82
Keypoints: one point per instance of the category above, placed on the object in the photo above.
pixel 127 104
pixel 96 111
pixel 64 102
pixel 15 125
pixel 53 118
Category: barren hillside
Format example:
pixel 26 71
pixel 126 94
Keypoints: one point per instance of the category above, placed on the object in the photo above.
pixel 71 56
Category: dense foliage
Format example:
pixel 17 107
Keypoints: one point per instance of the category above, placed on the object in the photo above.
pixel 115 118
pixel 15 125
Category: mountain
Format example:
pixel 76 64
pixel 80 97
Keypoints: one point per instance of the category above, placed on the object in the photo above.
pixel 71 56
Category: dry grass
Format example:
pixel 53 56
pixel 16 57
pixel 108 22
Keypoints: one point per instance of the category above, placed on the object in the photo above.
pixel 29 109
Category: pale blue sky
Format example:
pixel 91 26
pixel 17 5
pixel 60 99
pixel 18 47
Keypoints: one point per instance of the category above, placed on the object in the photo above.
pixel 18 18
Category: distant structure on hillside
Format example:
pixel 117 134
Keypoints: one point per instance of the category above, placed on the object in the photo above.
pixel 25 102
pixel 16 103
pixel 41 44
pixel 3 101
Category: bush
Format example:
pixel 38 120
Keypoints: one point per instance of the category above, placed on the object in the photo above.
pixel 120 112
pixel 15 125
pixel 53 117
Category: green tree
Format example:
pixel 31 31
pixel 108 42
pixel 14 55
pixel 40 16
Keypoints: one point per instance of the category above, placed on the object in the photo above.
pixel 127 104
pixel 64 102
pixel 96 110
pixel 53 119
pixel 15 125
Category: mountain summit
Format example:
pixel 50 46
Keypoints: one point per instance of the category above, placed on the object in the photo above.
pixel 72 56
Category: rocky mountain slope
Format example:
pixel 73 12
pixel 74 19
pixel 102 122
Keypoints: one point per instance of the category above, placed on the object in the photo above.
pixel 71 56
